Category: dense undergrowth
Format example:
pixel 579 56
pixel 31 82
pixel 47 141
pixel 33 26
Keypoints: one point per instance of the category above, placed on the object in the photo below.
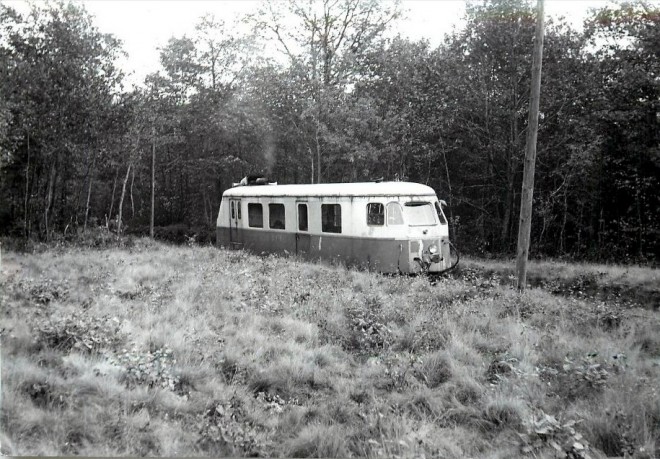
pixel 194 351
pixel 632 285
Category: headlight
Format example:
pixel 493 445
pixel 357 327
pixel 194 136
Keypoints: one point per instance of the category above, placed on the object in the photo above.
pixel 433 249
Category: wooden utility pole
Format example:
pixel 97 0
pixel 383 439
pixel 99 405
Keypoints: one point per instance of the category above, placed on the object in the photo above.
pixel 153 177
pixel 27 187
pixel 525 226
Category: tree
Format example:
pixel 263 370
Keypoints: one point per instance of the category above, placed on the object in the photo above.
pixel 64 80
pixel 324 47
pixel 626 99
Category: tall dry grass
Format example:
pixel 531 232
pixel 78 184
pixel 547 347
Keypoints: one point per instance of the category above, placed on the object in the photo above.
pixel 177 351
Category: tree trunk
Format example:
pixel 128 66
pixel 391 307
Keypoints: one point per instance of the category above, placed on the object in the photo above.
pixel 121 200
pixel 318 152
pixel 508 204
pixel 89 193
pixel 112 197
pixel 640 221
pixel 82 185
pixel 27 188
pixel 579 236
pixel 311 157
pixel 153 179
pixel 451 212
pixel 34 188
pixel 131 193
pixel 601 230
pixel 49 196
pixel 526 198
pixel 207 211
pixel 564 220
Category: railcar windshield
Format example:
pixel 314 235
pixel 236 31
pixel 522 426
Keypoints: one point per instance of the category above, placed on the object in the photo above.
pixel 441 214
pixel 419 213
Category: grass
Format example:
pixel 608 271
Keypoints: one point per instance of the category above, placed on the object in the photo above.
pixel 153 350
pixel 623 283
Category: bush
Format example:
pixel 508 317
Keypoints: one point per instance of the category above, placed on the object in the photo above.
pixel 425 337
pixel 500 368
pixel 172 233
pixel 504 412
pixel 547 432
pixel 318 441
pixel 466 390
pixel 179 233
pixel 44 291
pixel 435 369
pixel 582 379
pixel 226 428
pixel 367 331
pixel 153 369
pixel 85 334
pixel 100 237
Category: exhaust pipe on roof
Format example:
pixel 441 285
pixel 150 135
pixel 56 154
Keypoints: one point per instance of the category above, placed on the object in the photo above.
pixel 251 180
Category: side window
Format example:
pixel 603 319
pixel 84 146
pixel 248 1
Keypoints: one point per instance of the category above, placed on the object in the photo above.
pixel 302 217
pixel 394 214
pixel 255 215
pixel 375 214
pixel 233 212
pixel 331 218
pixel 238 209
pixel 441 215
pixel 276 216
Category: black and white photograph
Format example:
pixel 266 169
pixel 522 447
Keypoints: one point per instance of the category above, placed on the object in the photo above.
pixel 330 228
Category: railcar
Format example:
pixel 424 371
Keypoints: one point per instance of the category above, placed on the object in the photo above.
pixel 390 227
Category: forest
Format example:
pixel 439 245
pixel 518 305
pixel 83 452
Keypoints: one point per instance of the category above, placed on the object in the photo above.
pixel 324 91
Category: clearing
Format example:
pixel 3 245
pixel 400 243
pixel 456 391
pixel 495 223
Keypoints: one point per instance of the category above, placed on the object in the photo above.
pixel 193 351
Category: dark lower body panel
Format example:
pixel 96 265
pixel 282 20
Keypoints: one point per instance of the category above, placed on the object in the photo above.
pixel 382 255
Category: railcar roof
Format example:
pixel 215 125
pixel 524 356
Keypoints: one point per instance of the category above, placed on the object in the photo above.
pixel 333 189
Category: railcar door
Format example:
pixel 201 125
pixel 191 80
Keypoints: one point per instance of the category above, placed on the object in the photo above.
pixel 234 222
pixel 302 232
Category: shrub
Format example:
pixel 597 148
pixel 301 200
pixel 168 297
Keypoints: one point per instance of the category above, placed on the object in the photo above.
pixel 85 334
pixel 425 337
pixel 175 233
pixel 203 235
pixel 231 369
pixel 399 371
pixel 100 237
pixel 435 369
pixel 153 369
pixel 611 434
pixel 466 390
pixel 504 412
pixel 422 404
pixel 367 331
pixel 547 432
pixel 39 392
pixel 625 427
pixel 272 382
pixel 583 378
pixel 318 441
pixel 180 233
pixel 500 368
pixel 44 291
pixel 648 339
pixel 225 427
